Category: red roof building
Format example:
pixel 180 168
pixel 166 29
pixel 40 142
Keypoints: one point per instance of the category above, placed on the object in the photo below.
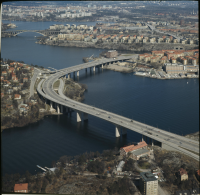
pixel 125 150
pixel 183 174
pixel 17 96
pixel 22 187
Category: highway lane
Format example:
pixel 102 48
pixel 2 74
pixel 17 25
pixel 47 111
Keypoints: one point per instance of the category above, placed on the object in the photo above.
pixel 33 80
pixel 157 134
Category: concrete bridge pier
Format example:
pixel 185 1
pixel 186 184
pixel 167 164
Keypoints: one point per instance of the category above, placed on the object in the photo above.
pixel 144 138
pixel 85 116
pixel 78 116
pixel 102 66
pixel 124 131
pixel 51 105
pixel 61 108
pixel 94 69
pixel 68 75
pixel 117 131
pixel 152 142
pixel 77 73
pixel 58 109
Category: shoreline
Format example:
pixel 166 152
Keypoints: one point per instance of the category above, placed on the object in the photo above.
pixel 147 47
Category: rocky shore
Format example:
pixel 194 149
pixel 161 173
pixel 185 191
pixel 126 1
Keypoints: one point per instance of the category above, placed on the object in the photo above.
pixel 147 47
pixel 193 136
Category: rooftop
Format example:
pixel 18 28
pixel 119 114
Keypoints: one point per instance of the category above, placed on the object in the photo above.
pixel 139 152
pixel 21 186
pixel 134 147
pixel 148 176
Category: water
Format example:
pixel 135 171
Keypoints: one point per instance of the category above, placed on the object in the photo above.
pixel 169 104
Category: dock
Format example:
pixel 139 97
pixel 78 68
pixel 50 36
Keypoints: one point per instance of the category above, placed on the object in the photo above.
pixel 41 168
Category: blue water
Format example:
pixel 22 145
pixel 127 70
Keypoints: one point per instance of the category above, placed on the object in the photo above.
pixel 172 105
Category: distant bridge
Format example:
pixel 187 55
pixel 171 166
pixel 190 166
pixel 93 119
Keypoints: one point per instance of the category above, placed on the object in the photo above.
pixel 17 32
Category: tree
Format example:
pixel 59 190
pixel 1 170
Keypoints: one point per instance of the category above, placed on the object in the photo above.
pixel 28 176
pixel 44 185
pixel 81 159
pixel 49 176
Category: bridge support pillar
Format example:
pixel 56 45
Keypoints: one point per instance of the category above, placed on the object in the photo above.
pixel 117 131
pixel 51 105
pixel 68 75
pixel 142 138
pixel 86 70
pixel 61 108
pixel 152 142
pixel 58 109
pixel 102 66
pixel 94 68
pixel 124 131
pixel 78 116
pixel 77 73
pixel 85 116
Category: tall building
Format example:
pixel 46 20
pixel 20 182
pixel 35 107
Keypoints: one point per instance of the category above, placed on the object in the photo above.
pixel 148 184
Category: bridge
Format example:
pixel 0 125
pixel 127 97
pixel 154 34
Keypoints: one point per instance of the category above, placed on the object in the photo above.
pixel 17 32
pixel 64 104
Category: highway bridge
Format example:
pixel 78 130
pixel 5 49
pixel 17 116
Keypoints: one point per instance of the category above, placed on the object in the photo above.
pixel 156 30
pixel 63 104
pixel 17 32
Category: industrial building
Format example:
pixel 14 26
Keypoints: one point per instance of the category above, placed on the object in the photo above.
pixel 112 54
pixel 148 184
pixel 174 68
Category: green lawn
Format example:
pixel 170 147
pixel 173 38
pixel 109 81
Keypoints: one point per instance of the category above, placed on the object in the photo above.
pixel 144 165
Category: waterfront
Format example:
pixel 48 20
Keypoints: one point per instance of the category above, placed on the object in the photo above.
pixel 171 104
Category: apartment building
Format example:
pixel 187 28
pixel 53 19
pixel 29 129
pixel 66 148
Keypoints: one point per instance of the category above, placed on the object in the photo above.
pixel 148 184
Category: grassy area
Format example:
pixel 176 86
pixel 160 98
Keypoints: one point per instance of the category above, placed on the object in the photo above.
pixel 56 84
pixel 144 165
pixel 36 84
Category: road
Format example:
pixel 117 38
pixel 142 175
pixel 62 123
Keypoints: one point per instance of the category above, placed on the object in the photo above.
pixel 170 139
pixel 156 30
pixel 33 80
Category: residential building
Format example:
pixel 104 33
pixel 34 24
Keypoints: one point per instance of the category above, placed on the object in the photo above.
pixel 22 188
pixel 17 97
pixel 183 174
pixel 148 184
